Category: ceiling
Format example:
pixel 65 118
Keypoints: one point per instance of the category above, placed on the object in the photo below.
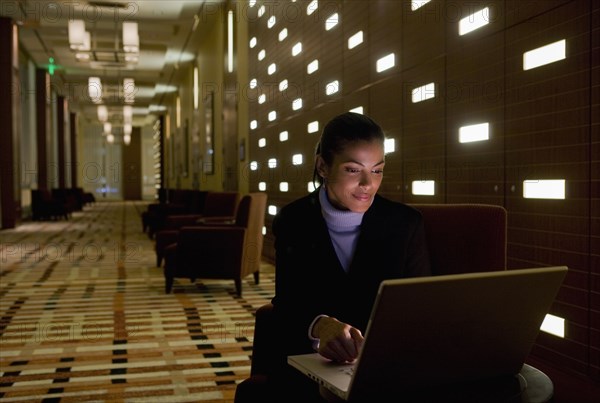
pixel 169 32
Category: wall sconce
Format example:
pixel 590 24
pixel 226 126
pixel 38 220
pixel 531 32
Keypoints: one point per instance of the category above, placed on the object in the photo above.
pixel 178 113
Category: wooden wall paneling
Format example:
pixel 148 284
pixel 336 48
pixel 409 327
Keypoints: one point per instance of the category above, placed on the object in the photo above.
pixel 547 137
pixel 292 69
pixel 312 50
pixel 595 194
pixel 356 61
pixel 518 11
pixel 455 11
pixel 385 107
pixel 384 15
pixel 422 34
pixel 473 94
pixel 330 64
pixel 424 138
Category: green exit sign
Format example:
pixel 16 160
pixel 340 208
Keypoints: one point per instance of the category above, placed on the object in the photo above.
pixel 51 66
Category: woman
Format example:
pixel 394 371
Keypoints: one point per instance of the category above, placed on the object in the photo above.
pixel 336 245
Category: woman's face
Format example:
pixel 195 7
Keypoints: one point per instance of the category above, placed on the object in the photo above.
pixel 354 176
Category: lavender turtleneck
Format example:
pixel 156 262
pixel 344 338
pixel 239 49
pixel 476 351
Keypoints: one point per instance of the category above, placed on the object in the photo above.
pixel 344 228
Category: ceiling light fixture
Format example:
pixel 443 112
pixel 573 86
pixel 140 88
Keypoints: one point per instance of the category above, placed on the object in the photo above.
pixel 102 113
pixel 95 89
pixel 131 39
pixel 129 90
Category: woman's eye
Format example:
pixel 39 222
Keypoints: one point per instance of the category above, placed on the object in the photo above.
pixel 352 170
pixel 378 171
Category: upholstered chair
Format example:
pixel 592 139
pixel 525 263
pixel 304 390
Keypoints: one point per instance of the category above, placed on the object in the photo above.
pixel 220 252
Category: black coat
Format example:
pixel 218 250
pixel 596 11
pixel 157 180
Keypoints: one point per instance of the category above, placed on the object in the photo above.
pixel 310 279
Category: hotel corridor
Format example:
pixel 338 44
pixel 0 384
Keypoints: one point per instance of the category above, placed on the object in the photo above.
pixel 85 316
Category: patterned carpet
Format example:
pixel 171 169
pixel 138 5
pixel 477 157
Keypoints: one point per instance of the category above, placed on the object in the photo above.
pixel 85 316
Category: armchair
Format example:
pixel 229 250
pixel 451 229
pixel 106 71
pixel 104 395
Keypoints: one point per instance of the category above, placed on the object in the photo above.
pixel 219 208
pixel 222 252
pixel 44 206
pixel 460 238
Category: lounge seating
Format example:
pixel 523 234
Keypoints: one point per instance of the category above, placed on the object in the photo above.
pixel 46 207
pixel 219 208
pixel 221 252
pixel 176 201
pixel 460 238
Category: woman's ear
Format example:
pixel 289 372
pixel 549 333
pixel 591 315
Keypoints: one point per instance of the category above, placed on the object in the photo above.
pixel 322 168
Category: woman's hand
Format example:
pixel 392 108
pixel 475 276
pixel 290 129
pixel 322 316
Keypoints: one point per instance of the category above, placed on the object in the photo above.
pixel 338 341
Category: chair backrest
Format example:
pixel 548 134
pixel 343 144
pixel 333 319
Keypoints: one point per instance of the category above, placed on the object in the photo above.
pixel 251 214
pixel 465 237
pixel 221 204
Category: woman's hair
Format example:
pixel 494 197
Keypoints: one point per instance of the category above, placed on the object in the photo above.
pixel 343 130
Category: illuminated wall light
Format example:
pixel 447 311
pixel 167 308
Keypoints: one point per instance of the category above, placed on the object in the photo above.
pixel 310 187
pixel 271 21
pixel 262 142
pixel 355 40
pixel 389 146
pixel 107 127
pixel 332 87
pixel 297 49
pixel 253 124
pixel 313 127
pixel 423 93
pixel 272 69
pixel 545 55
pixel 272 163
pixel 272 210
pixel 110 138
pixel 474 21
pixel 283 34
pixel 471 133
pixel 253 165
pixel 284 187
pixel 251 3
pixel 178 112
pixel 331 21
pixel 544 189
pixel 262 54
pixel 297 104
pixel 262 186
pixel 554 325
pixel 262 98
pixel 312 7
pixel 127 128
pixel 423 188
pixel 312 66
pixel 358 109
pixel 417 4
pixel 283 136
pixel 283 85
pixel 386 62
pixel 127 139
pixel 264 230
pixel 272 116
pixel 196 88
pixel 253 42
pixel 261 11
pixel 297 159
pixel 253 83
pixel 230 41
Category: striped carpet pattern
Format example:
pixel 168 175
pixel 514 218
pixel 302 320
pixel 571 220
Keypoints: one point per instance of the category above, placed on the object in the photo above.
pixel 85 316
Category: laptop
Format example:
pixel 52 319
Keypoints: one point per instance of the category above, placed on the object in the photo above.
pixel 432 331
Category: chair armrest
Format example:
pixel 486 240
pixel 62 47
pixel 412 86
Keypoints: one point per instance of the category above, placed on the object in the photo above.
pixel 225 220
pixel 174 222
